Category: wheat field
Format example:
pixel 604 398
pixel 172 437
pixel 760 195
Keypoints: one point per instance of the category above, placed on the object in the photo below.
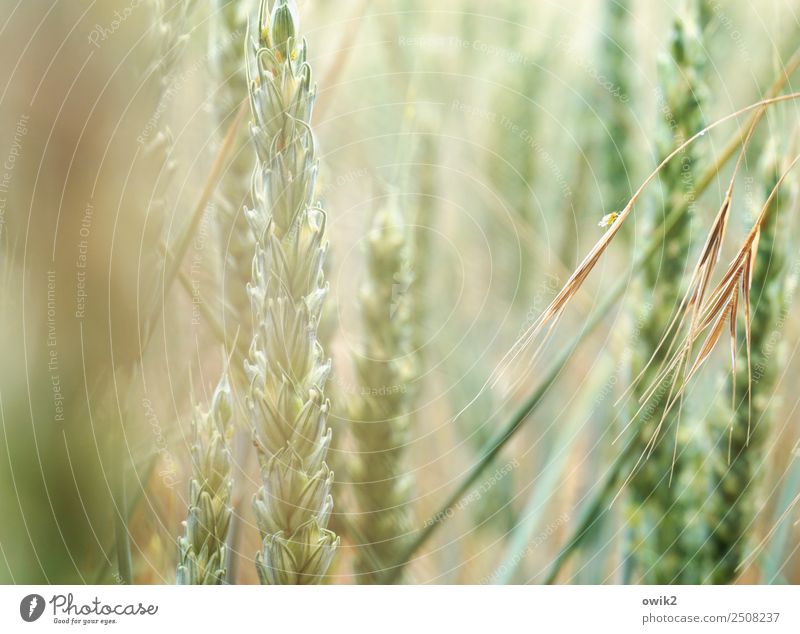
pixel 399 292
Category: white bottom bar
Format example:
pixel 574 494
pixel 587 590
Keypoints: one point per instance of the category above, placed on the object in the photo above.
pixel 405 609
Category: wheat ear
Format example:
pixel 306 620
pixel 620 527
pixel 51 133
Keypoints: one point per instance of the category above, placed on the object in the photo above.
pixel 230 19
pixel 618 162
pixel 287 369
pixel 381 413
pixel 203 552
pixel 651 499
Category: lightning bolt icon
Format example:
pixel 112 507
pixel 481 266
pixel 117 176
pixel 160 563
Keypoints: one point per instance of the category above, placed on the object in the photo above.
pixel 32 606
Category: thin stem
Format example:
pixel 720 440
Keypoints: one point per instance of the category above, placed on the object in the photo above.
pixel 593 510
pixel 210 186
pixel 492 450
pixel 346 46
pixel 122 510
pixel 121 534
pixel 134 502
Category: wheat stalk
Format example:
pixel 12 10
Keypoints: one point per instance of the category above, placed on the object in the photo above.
pixel 381 414
pixel 229 23
pixel 170 37
pixel 169 40
pixel 618 67
pixel 683 86
pixel 203 551
pixel 512 167
pixel 424 222
pixel 287 368
pixel 229 19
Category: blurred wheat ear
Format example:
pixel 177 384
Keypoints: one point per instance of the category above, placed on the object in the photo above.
pixel 287 369
pixel 683 90
pixel 380 414
pixel 168 38
pixel 618 155
pixel 203 548
pixel 229 24
pixel 229 21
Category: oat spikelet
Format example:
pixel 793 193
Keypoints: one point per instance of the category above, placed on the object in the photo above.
pixel 287 368
pixel 721 502
pixel 707 319
pixel 527 348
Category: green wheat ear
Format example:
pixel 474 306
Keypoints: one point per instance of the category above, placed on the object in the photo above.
pixel 203 551
pixel 381 414
pixel 683 90
pixel 618 163
pixel 287 368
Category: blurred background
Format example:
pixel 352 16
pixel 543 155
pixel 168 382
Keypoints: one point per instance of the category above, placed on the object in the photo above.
pixel 508 130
